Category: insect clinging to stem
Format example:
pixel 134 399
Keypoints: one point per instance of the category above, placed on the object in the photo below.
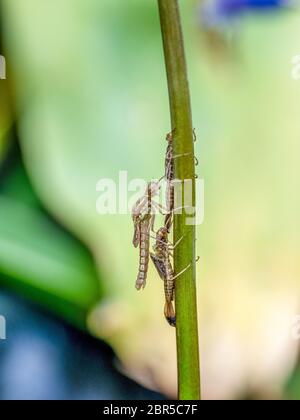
pixel 161 259
pixel 170 175
pixel 144 205
pixel 143 218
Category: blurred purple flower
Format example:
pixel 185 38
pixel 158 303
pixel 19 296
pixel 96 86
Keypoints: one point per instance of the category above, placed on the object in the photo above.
pixel 215 13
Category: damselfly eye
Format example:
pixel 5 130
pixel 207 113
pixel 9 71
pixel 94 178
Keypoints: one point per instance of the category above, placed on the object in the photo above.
pixel 169 137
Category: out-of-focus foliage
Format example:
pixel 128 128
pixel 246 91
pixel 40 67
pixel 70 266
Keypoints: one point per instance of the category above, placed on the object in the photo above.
pixel 5 109
pixel 5 120
pixel 38 257
pixel 92 98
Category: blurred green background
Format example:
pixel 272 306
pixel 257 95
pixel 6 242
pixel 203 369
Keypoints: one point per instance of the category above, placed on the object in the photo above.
pixel 88 97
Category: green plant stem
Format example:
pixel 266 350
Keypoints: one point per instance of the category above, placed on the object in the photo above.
pixel 184 254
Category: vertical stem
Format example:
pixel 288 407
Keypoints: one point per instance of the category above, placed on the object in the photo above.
pixel 181 119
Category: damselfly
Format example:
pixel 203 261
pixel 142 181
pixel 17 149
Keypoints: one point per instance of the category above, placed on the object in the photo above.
pixel 161 259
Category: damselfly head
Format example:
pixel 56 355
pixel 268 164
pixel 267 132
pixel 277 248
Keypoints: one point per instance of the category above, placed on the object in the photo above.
pixel 162 234
pixel 169 137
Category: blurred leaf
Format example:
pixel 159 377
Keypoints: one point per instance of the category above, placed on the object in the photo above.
pixel 40 258
pixel 5 120
pixel 292 390
pixel 14 181
pixel 5 109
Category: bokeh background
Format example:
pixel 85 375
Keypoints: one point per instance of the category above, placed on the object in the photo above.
pixel 86 97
